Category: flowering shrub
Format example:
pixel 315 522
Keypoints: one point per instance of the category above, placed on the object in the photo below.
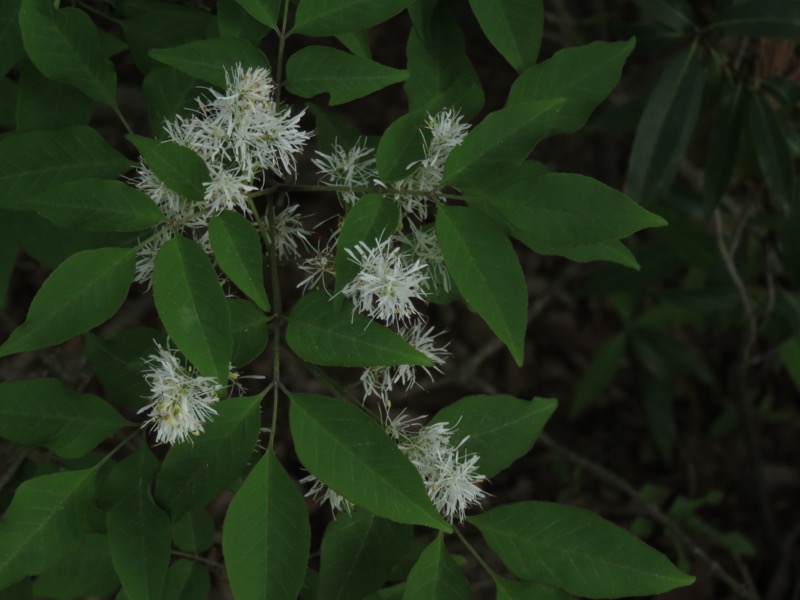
pixel 427 214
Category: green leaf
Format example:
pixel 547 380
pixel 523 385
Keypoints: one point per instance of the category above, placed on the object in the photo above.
pixel 42 412
pixel 234 21
pixel 673 14
pixel 358 553
pixel 64 46
pixel 723 142
pixel 178 167
pixel 320 69
pixel 322 335
pixel 192 306
pixel 357 42
pixel 486 270
pixel 237 248
pixel 249 331
pixel 350 452
pixel 194 532
pixel 401 144
pixel 135 470
pixel 514 27
pixel 194 474
pixel 440 73
pixel 576 550
pixel 582 76
pixel 524 590
pixel 164 25
pixel 266 535
pixel 599 374
pixel 46 521
pixel 373 217
pixel 87 571
pixel 35 161
pixel 139 533
pixel 323 17
pixel 789 355
pixel 499 429
pixel 84 291
pixel 264 11
pixel 436 576
pixel 95 205
pixel 11 49
pixel 564 209
pixel 666 128
pixel 167 92
pixel 505 136
pixel 609 250
pixel 772 147
pixel 119 362
pixel 760 18
pixel 46 104
pixel 187 580
pixel 208 59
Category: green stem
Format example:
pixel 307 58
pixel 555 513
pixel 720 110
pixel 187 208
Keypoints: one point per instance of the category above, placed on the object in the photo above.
pixel 122 118
pixel 281 46
pixel 474 553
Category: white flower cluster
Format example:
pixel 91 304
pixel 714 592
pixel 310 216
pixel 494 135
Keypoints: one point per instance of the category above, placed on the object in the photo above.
pixel 448 472
pixel 397 271
pixel 242 135
pixel 180 399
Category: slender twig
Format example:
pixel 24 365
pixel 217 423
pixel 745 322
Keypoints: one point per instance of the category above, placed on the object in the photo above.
pixel 198 558
pixel 474 553
pixel 281 45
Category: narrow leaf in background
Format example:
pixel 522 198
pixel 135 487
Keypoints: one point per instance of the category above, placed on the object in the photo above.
pixel 266 535
pixel 771 146
pixel 760 18
pixel 45 521
pixel 576 550
pixel 84 291
pixel 350 452
pixel 666 128
pixel 486 270
pixel 43 412
pixel 320 69
pixel 723 142
pixel 514 27
pixel 192 306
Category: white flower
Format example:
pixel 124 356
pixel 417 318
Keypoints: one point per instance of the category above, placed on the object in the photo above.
pixel 289 233
pixel 446 132
pixel 378 381
pixel 386 283
pixel 424 244
pixel 321 494
pixel 227 190
pixel 318 267
pixel 180 400
pixel 449 473
pixel 351 169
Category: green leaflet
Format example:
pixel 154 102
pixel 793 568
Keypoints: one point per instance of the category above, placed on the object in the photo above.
pixel 237 247
pixel 194 474
pixel 575 550
pixel 64 45
pixel 320 69
pixel 192 306
pixel 358 553
pixel 514 27
pixel 321 334
pixel 348 451
pixel 46 508
pixel 43 412
pixel 325 17
pixel 266 535
pixel 486 270
pixel 208 59
pixel 499 429
pixel 435 576
pixel 84 291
